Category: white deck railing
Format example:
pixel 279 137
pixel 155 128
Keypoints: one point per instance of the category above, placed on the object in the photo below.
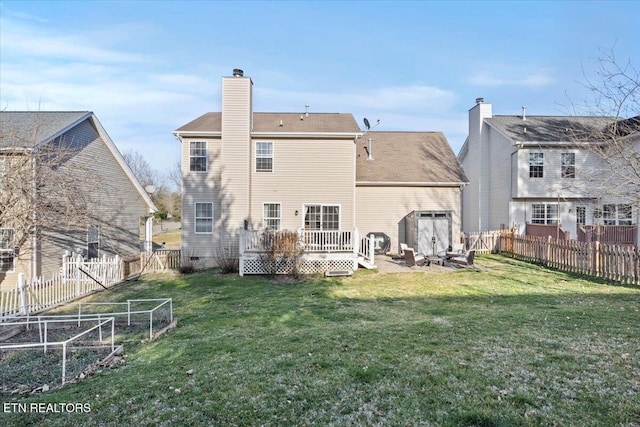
pixel 325 241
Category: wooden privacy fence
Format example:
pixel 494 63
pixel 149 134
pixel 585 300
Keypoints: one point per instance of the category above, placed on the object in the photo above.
pixel 160 260
pixel 620 263
pixel 485 242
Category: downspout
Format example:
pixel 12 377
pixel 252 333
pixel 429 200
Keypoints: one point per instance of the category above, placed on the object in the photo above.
pixel 355 176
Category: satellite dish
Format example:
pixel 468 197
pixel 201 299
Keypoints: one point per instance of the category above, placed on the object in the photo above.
pixel 366 123
pixel 150 189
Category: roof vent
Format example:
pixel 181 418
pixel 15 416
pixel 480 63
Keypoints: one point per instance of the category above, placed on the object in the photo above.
pixel 306 110
pixel 479 100
pixel 237 72
pixel 369 150
pixel 524 113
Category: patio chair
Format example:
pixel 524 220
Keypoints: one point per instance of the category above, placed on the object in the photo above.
pixel 412 258
pixel 403 247
pixel 466 259
pixel 456 251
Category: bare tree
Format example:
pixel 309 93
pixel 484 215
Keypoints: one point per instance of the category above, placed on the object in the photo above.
pixel 615 96
pixel 38 188
pixel 175 176
pixel 142 170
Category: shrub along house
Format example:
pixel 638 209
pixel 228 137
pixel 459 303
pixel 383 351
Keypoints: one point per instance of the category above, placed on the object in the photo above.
pixel 315 173
pixel 64 187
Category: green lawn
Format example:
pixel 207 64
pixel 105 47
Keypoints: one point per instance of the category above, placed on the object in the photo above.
pixel 509 344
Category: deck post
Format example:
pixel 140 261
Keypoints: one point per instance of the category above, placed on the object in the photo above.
pixel 372 249
pixel 242 239
pixel 356 247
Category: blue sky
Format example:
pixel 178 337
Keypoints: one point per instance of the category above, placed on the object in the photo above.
pixel 148 67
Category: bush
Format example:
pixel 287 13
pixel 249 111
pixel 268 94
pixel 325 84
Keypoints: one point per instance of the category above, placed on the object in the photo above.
pixel 227 259
pixel 282 252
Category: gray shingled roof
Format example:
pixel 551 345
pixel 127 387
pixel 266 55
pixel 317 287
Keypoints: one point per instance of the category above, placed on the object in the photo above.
pixel 424 157
pixel 26 129
pixel 550 128
pixel 270 122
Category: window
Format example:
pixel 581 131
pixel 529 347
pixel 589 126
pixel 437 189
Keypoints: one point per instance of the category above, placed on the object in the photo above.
pixel 581 215
pixel 271 216
pixel 204 218
pixel 544 213
pixel 264 156
pixel 617 214
pixel 93 242
pixel 322 217
pixel 7 251
pixel 568 165
pixel 536 161
pixel 198 156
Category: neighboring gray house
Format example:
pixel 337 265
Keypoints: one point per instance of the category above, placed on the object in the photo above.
pixel 541 175
pixel 73 150
pixel 309 172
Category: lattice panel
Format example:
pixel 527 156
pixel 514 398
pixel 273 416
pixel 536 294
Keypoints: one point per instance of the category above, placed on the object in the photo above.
pixel 308 266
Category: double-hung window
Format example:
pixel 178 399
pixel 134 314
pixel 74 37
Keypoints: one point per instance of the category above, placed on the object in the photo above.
pixel 617 214
pixel 271 216
pixel 568 165
pixel 581 215
pixel 198 156
pixel 322 217
pixel 264 156
pixel 536 165
pixel 204 217
pixel 544 213
pixel 7 251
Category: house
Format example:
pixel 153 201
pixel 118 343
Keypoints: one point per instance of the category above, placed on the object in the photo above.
pixel 547 176
pixel 245 171
pixel 64 187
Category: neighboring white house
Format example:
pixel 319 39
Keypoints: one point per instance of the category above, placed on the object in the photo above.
pixel 529 172
pixel 313 172
pixel 92 170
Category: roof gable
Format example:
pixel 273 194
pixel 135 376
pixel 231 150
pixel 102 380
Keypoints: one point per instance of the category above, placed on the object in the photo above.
pixel 407 157
pixel 28 129
pixel 25 129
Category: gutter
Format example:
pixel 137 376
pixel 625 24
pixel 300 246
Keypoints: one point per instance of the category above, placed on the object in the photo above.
pixel 410 184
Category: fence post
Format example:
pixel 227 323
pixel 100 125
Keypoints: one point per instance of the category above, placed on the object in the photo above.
pixel 78 261
pixel 596 258
pixel 116 275
pixel 22 297
pixel 241 237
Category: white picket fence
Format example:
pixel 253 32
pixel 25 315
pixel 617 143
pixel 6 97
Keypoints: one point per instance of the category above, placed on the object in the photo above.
pixel 76 278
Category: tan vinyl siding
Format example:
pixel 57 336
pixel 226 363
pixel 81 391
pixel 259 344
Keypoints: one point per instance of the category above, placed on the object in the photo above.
pixel 305 172
pixel 202 187
pixel 382 209
pixel 236 128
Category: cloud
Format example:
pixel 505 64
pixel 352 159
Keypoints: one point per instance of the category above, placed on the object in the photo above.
pixel 494 75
